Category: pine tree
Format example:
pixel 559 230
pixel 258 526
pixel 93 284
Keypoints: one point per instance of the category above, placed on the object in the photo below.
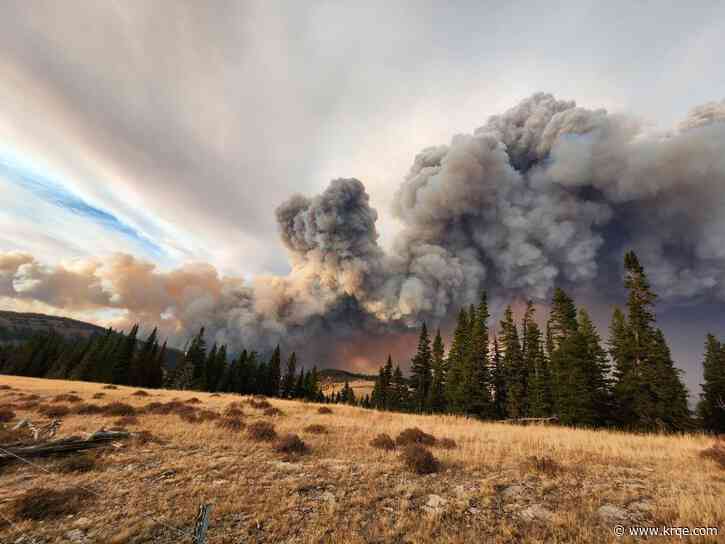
pixel 196 358
pixel 538 377
pixel 156 368
pixel 142 361
pixel 300 385
pixel 711 407
pixel 436 395
pixel 649 393
pixel 421 370
pixel 274 373
pixel 476 386
pixel 513 365
pixel 124 358
pixel 290 375
pixel 596 370
pixel 456 364
pixel 499 382
pixel 399 397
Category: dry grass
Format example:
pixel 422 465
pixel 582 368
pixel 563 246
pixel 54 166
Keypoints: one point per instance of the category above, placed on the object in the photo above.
pixel 316 429
pixel 83 462
pixel 44 503
pixel 383 442
pixel 290 444
pixel 260 497
pixel 716 453
pixel 66 397
pixel 49 410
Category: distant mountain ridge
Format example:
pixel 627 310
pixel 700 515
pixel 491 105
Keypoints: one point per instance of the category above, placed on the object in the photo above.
pixel 18 326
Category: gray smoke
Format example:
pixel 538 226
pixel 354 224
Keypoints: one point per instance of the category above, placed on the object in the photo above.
pixel 545 194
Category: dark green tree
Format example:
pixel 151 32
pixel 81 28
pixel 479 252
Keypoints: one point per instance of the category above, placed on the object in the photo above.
pixel 711 407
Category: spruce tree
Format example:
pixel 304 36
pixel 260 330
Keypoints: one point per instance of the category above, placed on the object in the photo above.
pixel 290 374
pixel 596 370
pixel 711 407
pixel 456 364
pixel 513 366
pixel 274 373
pixel 436 396
pixel 421 370
pixel 476 386
pixel 499 382
pixel 124 357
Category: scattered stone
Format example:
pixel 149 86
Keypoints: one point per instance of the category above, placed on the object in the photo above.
pixel 76 535
pixel 513 492
pixel 328 497
pixel 435 504
pixel 537 512
pixel 609 512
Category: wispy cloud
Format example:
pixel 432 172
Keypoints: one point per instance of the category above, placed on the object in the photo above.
pixel 47 189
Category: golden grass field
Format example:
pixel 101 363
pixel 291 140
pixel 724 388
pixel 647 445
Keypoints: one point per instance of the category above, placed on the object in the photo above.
pixel 343 490
pixel 359 387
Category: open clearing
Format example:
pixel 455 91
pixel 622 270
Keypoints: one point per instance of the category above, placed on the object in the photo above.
pixel 499 483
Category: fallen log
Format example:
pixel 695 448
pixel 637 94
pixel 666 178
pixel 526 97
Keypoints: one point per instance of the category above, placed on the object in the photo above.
pixel 65 445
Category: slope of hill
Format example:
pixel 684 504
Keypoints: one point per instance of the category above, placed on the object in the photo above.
pixel 18 326
pixel 332 380
pixel 495 482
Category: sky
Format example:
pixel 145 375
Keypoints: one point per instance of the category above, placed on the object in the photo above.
pixel 171 131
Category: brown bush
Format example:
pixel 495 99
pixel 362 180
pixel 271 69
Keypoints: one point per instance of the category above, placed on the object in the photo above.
pixel 447 444
pixel 233 411
pixel 30 397
pixel 145 437
pixel 544 464
pixel 119 409
pixel 324 410
pixel 262 431
pixel 419 459
pixel 414 435
pixel 215 395
pixel 290 444
pixel 29 405
pixel 6 414
pixel 110 387
pixel 262 404
pixel 192 400
pixel 715 453
pixel 273 411
pixel 4 387
pixel 53 411
pixel 84 462
pixel 231 423
pixel 10 436
pixel 42 503
pixel 125 421
pixel 140 393
pixel 86 408
pixel 383 442
pixel 66 397
pixel 99 395
pixel 316 429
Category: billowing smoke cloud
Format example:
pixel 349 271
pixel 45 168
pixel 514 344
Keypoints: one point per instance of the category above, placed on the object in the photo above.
pixel 545 194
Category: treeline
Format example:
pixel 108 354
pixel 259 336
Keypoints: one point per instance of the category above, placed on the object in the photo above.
pixel 118 358
pixel 563 370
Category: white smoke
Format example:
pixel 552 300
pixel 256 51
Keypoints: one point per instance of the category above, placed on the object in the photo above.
pixel 545 194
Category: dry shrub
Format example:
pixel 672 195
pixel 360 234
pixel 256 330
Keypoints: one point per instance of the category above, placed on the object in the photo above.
pixel 419 459
pixel 126 420
pixel 544 464
pixel 84 462
pixel 715 453
pixel 140 393
pixel 194 416
pixel 290 444
pixel 145 437
pixel 262 404
pixel 262 431
pixel 215 395
pixel 273 411
pixel 86 408
pixel 4 387
pixel 324 410
pixel 119 409
pixel 231 423
pixel 53 411
pixel 11 436
pixel 316 429
pixel 99 395
pixel 31 397
pixel 447 444
pixel 110 387
pixel 29 405
pixel 383 442
pixel 233 410
pixel 66 397
pixel 192 400
pixel 6 414
pixel 43 503
pixel 414 435
pixel 259 397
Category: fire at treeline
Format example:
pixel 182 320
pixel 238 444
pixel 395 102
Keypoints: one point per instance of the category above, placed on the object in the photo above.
pixel 564 371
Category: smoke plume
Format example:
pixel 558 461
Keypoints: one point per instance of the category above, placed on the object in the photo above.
pixel 545 194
